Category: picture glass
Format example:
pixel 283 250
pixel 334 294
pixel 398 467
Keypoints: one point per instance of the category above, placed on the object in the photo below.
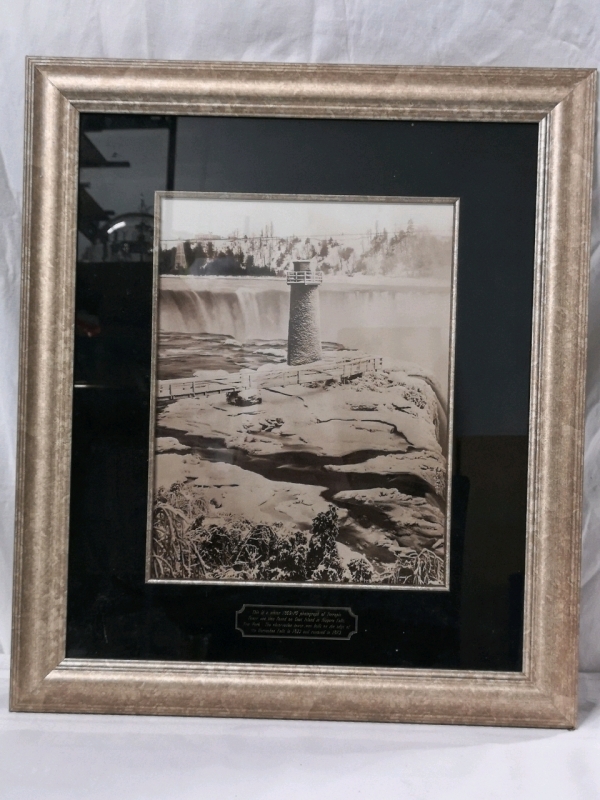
pixel 371 509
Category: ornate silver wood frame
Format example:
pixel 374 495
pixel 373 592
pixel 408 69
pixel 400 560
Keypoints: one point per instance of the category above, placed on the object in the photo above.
pixel 544 693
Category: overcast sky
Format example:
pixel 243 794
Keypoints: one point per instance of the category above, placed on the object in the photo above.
pixel 186 217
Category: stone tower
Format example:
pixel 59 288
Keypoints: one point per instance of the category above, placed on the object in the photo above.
pixel 304 333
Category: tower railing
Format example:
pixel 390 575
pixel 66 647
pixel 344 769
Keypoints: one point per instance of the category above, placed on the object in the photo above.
pixel 307 278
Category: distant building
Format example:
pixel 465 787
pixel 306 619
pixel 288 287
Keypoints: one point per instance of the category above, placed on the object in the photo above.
pixel 180 262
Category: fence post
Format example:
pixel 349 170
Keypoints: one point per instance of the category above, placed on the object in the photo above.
pixel 245 378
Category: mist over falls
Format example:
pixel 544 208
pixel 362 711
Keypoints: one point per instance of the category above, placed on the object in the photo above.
pixel 407 321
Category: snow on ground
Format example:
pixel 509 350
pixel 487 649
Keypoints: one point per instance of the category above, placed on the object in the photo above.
pixel 254 497
pixel 354 444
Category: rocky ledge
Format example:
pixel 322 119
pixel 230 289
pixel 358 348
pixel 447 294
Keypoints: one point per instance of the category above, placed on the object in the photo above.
pixel 370 446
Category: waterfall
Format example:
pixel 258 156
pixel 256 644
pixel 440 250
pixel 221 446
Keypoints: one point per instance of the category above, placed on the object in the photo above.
pixel 242 312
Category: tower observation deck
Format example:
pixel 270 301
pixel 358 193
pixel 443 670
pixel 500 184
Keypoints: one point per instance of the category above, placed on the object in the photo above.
pixel 304 332
pixel 306 277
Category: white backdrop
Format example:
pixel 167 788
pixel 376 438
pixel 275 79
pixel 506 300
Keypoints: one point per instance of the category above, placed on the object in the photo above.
pixel 95 758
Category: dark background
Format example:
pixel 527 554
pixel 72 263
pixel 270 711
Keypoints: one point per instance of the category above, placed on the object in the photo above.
pixel 491 167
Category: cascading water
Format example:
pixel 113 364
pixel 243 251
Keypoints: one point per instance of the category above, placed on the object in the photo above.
pixel 242 312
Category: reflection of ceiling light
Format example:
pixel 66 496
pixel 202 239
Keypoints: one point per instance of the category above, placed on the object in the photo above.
pixel 116 226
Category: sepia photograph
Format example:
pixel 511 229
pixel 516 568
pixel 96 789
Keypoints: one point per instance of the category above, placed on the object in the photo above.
pixel 303 379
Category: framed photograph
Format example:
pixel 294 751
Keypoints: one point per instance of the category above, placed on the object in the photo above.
pixel 301 398
pixel 302 374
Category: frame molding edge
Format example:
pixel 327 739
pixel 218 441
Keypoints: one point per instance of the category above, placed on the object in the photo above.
pixel 58 90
